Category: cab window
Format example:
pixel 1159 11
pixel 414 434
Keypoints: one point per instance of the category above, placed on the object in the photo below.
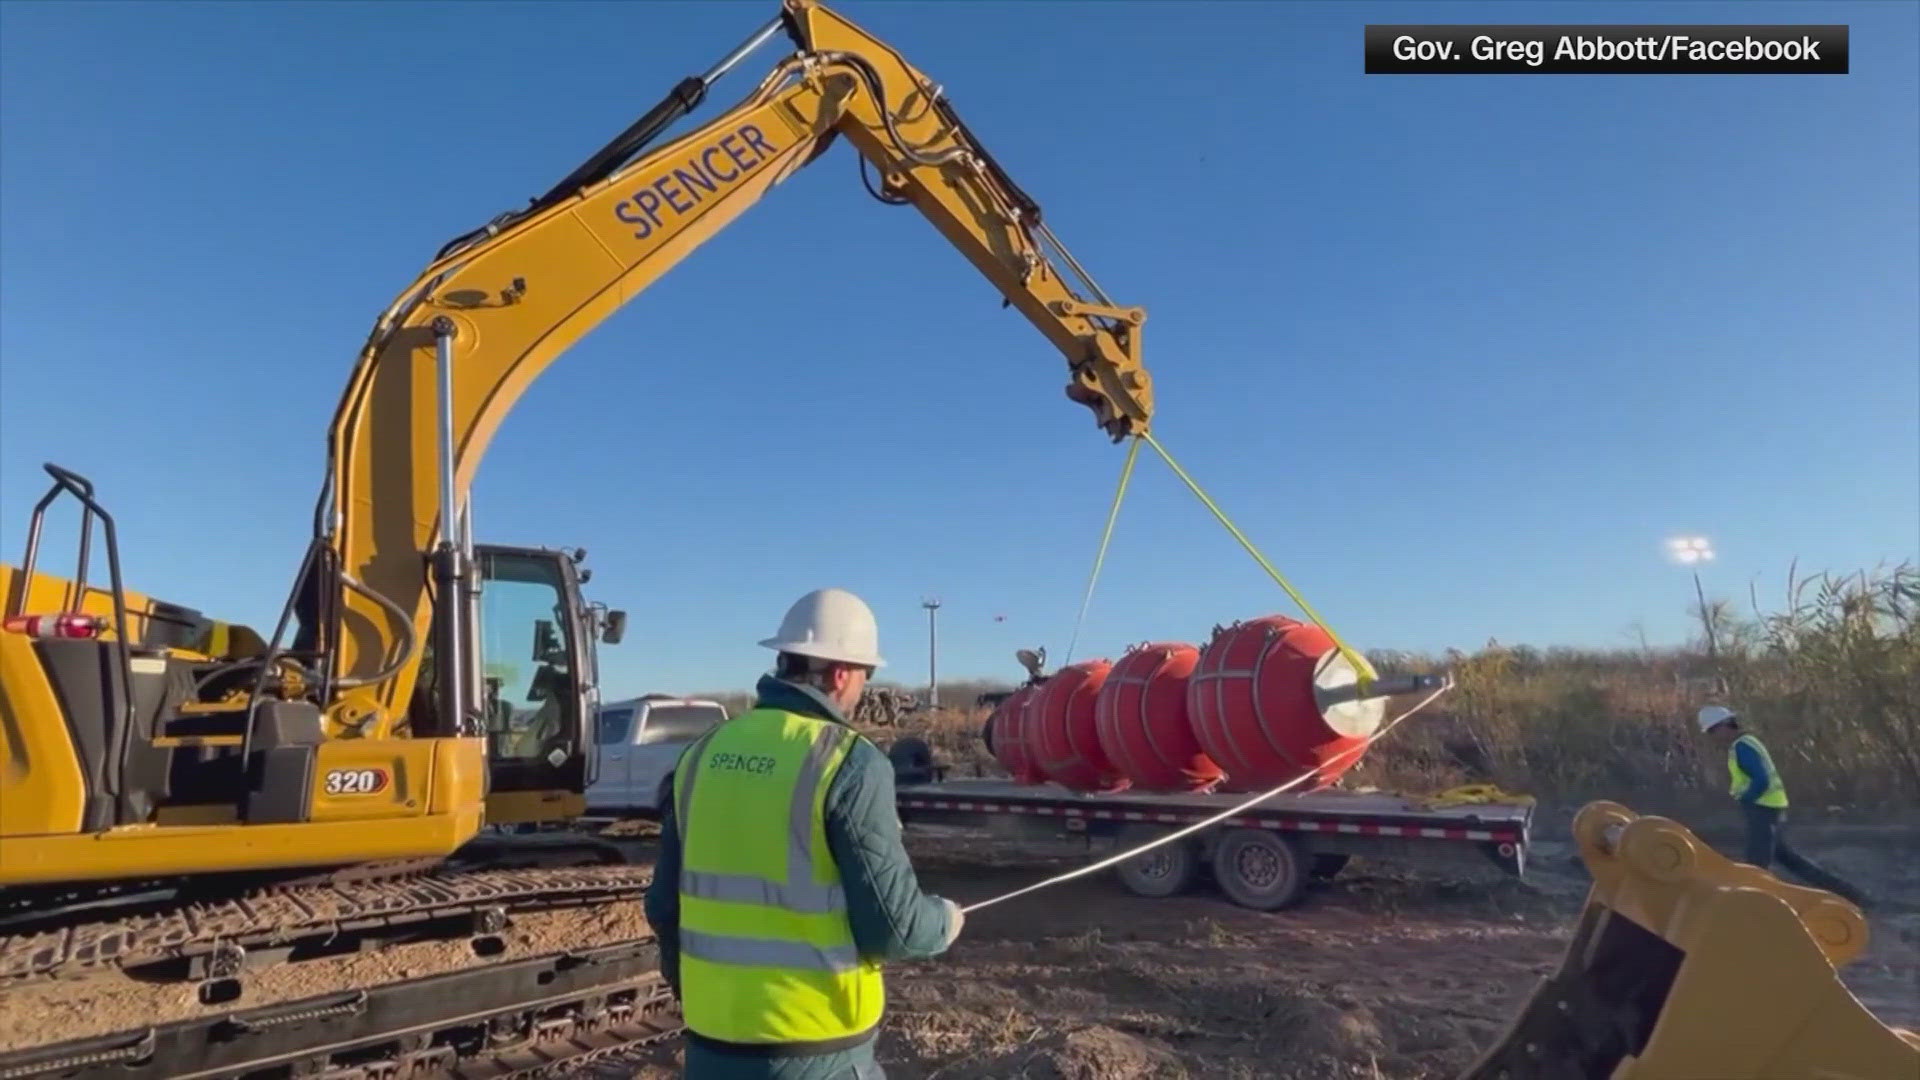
pixel 526 652
pixel 615 726
pixel 680 723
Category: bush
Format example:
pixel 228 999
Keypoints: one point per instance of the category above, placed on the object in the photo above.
pixel 1831 682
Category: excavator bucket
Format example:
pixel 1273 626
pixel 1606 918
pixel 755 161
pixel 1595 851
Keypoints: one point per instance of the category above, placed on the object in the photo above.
pixel 1686 965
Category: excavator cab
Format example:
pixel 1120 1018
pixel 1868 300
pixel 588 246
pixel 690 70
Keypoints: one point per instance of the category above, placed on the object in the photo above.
pixel 1686 965
pixel 126 717
pixel 536 652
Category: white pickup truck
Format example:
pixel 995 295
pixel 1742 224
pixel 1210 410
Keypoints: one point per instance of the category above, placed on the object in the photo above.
pixel 640 739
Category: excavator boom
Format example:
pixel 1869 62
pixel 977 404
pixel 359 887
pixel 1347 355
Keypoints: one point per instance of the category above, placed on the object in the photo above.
pixel 405 692
pixel 452 355
pixel 420 687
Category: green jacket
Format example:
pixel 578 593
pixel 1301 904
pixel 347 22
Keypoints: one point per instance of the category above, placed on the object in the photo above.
pixel 891 918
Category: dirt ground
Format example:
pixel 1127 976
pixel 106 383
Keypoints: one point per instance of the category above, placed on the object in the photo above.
pixel 1382 974
pixel 1089 981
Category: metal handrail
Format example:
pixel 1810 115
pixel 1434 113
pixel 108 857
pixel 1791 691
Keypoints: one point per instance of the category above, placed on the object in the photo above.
pixel 81 489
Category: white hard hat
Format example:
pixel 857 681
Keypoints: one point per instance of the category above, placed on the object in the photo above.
pixel 830 624
pixel 1714 715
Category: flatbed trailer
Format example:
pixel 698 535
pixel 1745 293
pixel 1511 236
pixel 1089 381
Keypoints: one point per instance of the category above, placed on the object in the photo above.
pixel 1262 858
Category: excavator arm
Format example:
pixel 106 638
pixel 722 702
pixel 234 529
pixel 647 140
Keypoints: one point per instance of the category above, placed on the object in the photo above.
pixel 455 351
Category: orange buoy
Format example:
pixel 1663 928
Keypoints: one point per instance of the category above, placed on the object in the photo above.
pixel 1256 703
pixel 1010 737
pixel 1140 716
pixel 1060 723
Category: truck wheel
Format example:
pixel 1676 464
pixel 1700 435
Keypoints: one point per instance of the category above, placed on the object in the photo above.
pixel 1259 869
pixel 1167 870
pixel 1328 864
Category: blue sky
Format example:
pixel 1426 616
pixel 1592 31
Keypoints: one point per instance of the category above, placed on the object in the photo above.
pixel 1459 352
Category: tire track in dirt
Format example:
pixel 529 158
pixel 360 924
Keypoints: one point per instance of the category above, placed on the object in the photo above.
pixel 1379 974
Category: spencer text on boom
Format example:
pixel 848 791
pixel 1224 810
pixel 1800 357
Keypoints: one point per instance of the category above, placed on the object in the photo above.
pixel 718 164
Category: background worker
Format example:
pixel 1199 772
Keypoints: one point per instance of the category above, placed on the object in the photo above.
pixel 1762 795
pixel 782 883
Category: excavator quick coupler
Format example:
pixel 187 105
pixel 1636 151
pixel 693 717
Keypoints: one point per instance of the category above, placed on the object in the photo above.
pixel 1686 965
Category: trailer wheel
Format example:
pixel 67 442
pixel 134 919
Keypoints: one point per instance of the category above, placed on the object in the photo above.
pixel 1167 870
pixel 1259 869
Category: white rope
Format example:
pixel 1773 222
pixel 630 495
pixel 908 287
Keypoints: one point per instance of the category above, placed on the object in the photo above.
pixel 1197 826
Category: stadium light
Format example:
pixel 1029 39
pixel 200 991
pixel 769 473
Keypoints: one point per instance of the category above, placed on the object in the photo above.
pixel 1690 550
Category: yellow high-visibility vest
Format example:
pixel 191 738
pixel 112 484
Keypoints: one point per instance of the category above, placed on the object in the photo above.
pixel 767 956
pixel 1775 794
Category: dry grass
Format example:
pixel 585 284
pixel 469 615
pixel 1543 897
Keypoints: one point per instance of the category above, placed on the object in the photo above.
pixel 1831 679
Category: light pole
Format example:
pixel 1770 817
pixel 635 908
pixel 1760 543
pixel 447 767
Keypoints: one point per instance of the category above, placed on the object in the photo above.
pixel 932 604
pixel 1691 551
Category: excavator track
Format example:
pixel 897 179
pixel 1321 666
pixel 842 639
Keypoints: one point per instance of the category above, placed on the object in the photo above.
pixel 212 938
pixel 543 1016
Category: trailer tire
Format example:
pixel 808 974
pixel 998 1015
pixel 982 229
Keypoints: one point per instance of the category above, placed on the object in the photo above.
pixel 1260 869
pixel 1167 870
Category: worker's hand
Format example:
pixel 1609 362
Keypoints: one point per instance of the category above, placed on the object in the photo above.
pixel 955 920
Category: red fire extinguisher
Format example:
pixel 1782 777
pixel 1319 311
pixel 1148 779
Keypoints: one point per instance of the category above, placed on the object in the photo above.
pixel 65 625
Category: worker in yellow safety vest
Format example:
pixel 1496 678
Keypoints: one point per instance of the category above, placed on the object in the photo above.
pixel 782 883
pixel 1756 784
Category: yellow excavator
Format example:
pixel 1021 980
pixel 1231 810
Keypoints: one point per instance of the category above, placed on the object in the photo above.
pixel 140 740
